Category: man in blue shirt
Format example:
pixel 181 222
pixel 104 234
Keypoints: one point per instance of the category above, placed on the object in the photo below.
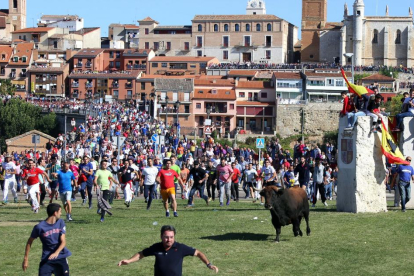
pixel 168 254
pixel 86 177
pixel 406 173
pixel 65 179
pixel 52 234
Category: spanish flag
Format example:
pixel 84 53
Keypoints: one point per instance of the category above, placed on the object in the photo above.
pixel 390 149
pixel 356 89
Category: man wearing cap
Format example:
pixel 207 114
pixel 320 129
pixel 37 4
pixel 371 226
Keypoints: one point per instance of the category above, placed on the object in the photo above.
pixel 199 177
pixel 9 179
pixel 406 174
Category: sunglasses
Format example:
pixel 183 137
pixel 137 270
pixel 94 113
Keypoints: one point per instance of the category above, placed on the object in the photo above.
pixel 408 160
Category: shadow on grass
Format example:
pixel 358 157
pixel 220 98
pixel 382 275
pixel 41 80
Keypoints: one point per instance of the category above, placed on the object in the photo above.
pixel 238 236
pixel 323 210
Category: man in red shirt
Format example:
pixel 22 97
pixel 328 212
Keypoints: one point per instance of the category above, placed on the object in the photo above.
pixel 31 176
pixel 235 182
pixel 166 179
pixel 346 107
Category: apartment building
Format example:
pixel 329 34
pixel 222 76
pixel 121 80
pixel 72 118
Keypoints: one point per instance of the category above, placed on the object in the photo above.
pixel 137 59
pixel 123 36
pixel 167 65
pixel 256 106
pixel 289 87
pixel 18 66
pixel 49 79
pixel 71 22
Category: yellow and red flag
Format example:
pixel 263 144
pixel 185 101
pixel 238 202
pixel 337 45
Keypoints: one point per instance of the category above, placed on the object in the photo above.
pixel 390 149
pixel 356 89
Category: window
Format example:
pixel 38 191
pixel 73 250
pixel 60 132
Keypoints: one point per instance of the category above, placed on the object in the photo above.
pixel 186 46
pixel 147 45
pixel 231 106
pixel 118 64
pixel 264 95
pixel 269 27
pixel 198 105
pixel 15 59
pixel 215 27
pixel 258 27
pixel 237 28
pixel 311 56
pixel 111 54
pixel 156 46
pixel 242 94
pixel 168 45
pixel 226 27
pixel 225 41
pixel 24 59
pixel 199 53
pixel 146 31
pixel 247 27
pixel 118 54
pixel 247 41
pixel 375 37
pixel 164 65
pixel 14 4
pixel 55 44
pixel 116 93
pixel 111 64
pixel 142 85
pixel 225 55
pixel 199 41
pixel 268 41
pixel 200 27
pixel 398 37
pixel 268 54
pixel 154 65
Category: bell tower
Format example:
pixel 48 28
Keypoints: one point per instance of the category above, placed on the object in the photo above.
pixel 256 7
pixel 314 16
pixel 17 14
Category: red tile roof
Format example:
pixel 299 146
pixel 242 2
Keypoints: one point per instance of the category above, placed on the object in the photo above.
pixel 6 50
pixel 23 50
pixel 214 82
pixel 287 75
pixel 222 94
pixel 248 73
pixel 253 84
pixel 379 77
pixel 85 31
pixel 89 52
pixel 147 19
pixel 34 30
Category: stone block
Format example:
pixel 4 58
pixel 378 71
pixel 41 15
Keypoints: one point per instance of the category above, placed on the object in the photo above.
pixel 407 146
pixel 361 165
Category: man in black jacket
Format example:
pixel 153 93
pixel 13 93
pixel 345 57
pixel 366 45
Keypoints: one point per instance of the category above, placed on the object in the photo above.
pixel 304 173
pixel 211 181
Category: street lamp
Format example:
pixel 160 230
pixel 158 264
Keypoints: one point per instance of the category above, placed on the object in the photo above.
pixel 351 55
pixel 177 106
pixel 166 111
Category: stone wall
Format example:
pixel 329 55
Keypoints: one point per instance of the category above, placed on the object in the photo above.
pixel 318 119
pixel 361 165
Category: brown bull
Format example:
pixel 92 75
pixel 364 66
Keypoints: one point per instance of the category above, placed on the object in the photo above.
pixel 287 206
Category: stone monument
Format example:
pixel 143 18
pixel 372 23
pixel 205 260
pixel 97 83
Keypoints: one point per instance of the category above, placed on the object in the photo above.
pixel 361 175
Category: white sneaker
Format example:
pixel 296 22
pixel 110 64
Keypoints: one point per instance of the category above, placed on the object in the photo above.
pixel 313 205
pixel 70 217
pixel 326 204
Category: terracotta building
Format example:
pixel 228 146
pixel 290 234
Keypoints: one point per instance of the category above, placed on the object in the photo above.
pixel 18 66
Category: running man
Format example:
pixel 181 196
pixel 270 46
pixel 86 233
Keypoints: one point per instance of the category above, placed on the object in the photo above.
pixel 9 179
pixel 125 176
pixel 199 176
pixel 166 179
pixel 113 168
pixel 53 168
pixel 66 178
pixel 31 176
pixel 86 180
pixel 169 254
pixel 52 234
pixel 149 174
pixel 104 179
pixel 224 175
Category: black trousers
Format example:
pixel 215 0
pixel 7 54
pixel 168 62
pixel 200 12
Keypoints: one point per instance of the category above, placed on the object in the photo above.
pixel 211 190
pixel 42 193
pixel 321 188
pixel 105 195
pixel 235 190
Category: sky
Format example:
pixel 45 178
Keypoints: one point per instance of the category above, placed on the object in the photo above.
pixel 101 13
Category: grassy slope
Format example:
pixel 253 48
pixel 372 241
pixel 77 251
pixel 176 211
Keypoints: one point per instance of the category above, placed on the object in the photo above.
pixel 340 243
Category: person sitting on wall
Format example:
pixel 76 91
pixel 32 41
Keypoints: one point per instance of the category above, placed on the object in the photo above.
pixel 375 112
pixel 347 107
pixel 361 104
pixel 407 110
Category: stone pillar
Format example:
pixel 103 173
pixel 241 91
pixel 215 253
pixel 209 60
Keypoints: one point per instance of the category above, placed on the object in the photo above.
pixel 407 148
pixel 361 176
pixel 386 46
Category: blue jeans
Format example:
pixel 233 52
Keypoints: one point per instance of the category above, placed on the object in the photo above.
pixel 353 116
pixel 328 189
pixel 149 193
pixel 405 192
pixel 195 188
pixel 401 116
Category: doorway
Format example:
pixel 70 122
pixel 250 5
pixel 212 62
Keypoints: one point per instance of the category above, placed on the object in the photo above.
pixel 247 57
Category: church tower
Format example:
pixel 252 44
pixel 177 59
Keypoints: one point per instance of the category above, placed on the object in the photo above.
pixel 256 7
pixel 17 14
pixel 359 14
pixel 314 16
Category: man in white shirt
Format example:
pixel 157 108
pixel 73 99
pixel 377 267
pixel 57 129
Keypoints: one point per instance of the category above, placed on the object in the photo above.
pixel 149 174
pixel 9 179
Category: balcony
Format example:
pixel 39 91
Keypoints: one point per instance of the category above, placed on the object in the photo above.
pixel 198 45
pixel 316 84
pixel 224 45
pixel 89 85
pixel 79 64
pixel 245 45
pixel 75 84
pixel 128 85
pixel 216 109
pixel 23 75
pixel 253 99
pixel 128 97
pixel 13 75
pixel 115 85
pixel 88 65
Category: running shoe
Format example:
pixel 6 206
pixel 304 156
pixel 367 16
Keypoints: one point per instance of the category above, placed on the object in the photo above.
pixel 36 211
pixel 221 204
pixel 326 204
pixel 102 220
pixel 99 211
pixel 83 201
pixel 15 200
pixel 70 217
pixel 190 205
pixel 175 214
pixel 167 214
pixel 206 199
pixel 228 202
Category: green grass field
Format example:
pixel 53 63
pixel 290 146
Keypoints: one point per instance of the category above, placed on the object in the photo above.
pixel 340 243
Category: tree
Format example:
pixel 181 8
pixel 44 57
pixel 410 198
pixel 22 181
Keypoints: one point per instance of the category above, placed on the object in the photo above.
pixel 18 117
pixel 358 77
pixel 394 106
pixel 389 72
pixel 7 87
